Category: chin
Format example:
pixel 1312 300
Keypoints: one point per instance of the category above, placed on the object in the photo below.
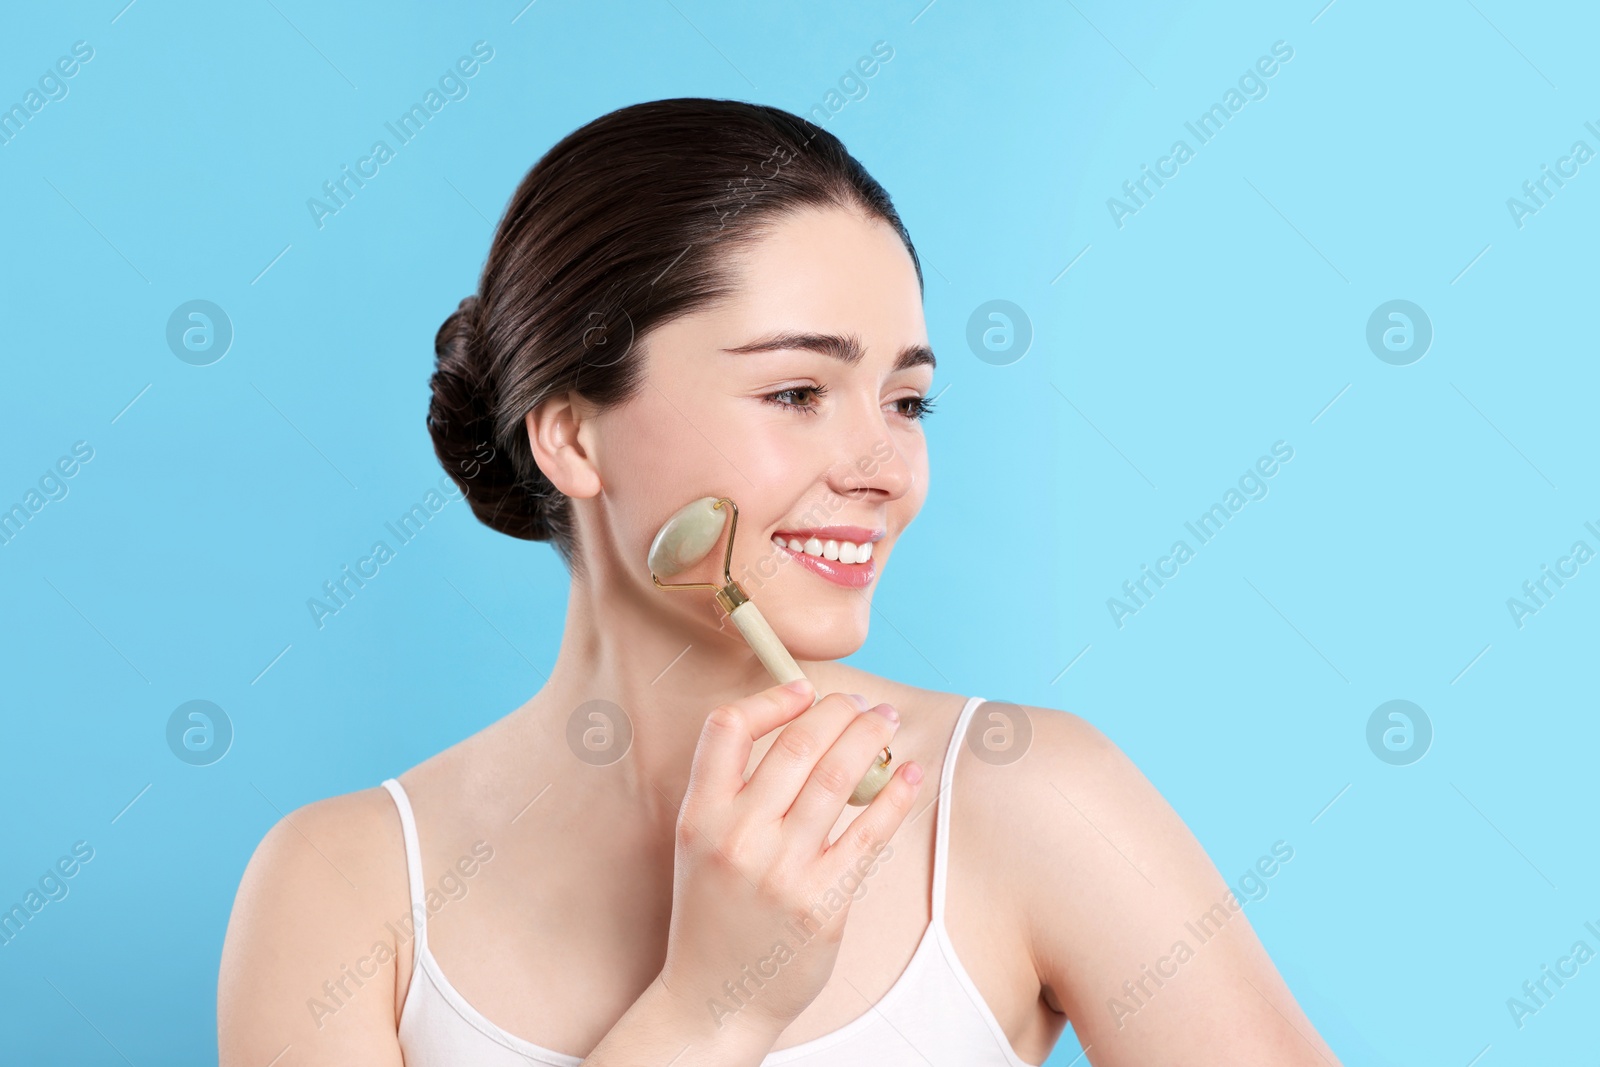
pixel 829 647
pixel 811 634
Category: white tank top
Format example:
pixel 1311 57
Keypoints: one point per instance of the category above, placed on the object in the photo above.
pixel 933 1014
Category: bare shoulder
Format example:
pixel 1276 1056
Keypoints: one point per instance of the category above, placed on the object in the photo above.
pixel 309 957
pixel 1089 837
pixel 1056 763
pixel 1038 789
pixel 1134 933
pixel 352 842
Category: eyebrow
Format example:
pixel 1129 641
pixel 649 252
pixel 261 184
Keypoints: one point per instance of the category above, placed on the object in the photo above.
pixel 846 349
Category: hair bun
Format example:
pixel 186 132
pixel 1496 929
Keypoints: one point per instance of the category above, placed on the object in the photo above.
pixel 461 423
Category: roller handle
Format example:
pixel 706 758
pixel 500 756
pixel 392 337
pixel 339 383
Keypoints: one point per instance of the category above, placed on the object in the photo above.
pixel 770 651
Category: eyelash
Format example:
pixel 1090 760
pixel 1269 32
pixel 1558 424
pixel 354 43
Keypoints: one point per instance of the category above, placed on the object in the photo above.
pixel 921 406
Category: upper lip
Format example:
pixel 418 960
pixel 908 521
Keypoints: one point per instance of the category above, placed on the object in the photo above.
pixel 855 534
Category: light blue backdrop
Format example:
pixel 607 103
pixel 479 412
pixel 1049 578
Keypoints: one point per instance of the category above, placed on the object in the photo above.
pixel 1174 341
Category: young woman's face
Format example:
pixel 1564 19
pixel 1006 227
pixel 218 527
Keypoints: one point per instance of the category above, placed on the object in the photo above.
pixel 752 401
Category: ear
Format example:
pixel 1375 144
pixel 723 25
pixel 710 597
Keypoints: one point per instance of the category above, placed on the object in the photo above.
pixel 561 432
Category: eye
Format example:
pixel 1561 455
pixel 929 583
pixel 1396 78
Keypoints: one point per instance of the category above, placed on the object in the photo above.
pixel 914 408
pixel 798 390
pixel 918 407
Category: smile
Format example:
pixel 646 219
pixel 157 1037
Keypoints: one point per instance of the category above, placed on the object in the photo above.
pixel 843 562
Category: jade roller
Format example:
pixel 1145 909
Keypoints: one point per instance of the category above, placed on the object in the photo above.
pixel 688 537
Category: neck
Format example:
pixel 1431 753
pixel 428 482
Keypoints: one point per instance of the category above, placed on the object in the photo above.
pixel 660 657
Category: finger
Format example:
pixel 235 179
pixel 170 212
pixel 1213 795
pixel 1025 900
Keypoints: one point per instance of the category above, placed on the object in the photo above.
pixel 787 764
pixel 827 789
pixel 730 732
pixel 862 841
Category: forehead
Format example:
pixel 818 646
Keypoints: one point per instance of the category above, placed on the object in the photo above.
pixel 827 270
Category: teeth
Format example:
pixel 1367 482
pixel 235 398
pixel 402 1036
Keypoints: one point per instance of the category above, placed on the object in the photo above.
pixel 842 551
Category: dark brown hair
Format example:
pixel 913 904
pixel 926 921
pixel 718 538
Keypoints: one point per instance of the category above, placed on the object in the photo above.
pixel 622 226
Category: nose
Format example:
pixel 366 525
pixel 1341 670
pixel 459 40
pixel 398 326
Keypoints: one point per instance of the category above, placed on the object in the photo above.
pixel 868 463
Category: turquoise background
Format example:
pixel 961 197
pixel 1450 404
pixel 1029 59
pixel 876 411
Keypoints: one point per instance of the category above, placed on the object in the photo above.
pixel 1229 313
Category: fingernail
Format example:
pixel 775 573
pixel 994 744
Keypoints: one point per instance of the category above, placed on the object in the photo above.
pixel 861 701
pixel 913 773
pixel 888 712
pixel 799 685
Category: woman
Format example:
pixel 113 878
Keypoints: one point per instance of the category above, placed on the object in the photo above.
pixel 704 297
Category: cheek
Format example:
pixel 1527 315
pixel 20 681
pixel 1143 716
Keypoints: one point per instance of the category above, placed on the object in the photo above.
pixel 659 454
pixel 771 457
pixel 647 471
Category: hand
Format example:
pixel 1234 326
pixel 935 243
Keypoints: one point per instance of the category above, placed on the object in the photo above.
pixel 756 920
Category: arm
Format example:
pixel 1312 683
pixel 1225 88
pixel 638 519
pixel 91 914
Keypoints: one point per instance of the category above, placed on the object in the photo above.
pixel 1135 935
pixel 308 966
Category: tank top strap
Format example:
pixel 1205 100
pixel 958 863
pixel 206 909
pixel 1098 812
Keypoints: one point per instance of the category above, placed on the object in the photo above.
pixel 419 909
pixel 941 839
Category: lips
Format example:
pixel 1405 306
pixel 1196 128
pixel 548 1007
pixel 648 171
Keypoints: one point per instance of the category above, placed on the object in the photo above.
pixel 849 575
